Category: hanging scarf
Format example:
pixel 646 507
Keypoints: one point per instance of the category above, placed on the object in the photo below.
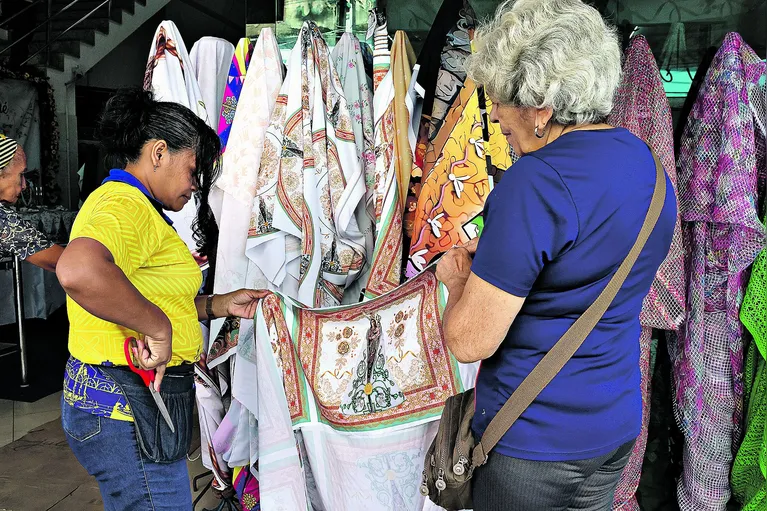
pixel 379 30
pixel 237 72
pixel 457 182
pixel 722 236
pixel 641 107
pixel 304 234
pixel 394 144
pixel 170 76
pixel 236 186
pixel 429 61
pixel 362 387
pixel 212 60
pixel 348 61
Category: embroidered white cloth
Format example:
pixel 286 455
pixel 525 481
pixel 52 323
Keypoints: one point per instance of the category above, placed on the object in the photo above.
pixel 304 235
pixel 170 75
pixel 236 187
pixel 350 65
pixel 315 454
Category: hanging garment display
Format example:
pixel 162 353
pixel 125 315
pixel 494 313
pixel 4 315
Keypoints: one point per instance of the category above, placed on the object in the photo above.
pixel 234 83
pixel 395 139
pixel 212 60
pixel 749 471
pixel 304 235
pixel 641 107
pixel 363 386
pixel 457 184
pixel 171 77
pixel 723 235
pixel 348 61
pixel 237 184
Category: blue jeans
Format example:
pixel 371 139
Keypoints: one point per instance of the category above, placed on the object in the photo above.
pixel 128 481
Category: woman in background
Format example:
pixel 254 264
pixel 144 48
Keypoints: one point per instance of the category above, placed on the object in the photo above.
pixel 17 236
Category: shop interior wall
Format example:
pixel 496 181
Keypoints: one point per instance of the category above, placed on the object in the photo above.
pixel 125 66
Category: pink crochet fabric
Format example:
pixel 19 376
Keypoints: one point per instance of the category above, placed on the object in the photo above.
pixel 719 164
pixel 641 107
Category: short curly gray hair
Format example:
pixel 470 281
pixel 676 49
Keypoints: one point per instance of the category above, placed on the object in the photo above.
pixel 549 53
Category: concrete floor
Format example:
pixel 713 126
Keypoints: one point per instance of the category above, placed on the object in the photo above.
pixel 38 471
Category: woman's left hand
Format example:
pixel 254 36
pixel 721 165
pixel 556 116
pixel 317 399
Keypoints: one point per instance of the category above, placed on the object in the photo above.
pixel 454 267
pixel 242 303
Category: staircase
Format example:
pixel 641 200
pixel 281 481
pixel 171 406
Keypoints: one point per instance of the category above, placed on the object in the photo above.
pixel 73 35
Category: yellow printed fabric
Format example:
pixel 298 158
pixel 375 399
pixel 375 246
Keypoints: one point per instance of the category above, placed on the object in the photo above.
pixel 155 260
pixel 458 176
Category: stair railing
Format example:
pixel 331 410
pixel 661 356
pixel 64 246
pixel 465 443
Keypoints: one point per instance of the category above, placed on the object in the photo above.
pixel 49 39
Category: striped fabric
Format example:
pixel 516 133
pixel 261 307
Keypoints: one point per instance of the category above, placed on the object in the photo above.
pixel 7 150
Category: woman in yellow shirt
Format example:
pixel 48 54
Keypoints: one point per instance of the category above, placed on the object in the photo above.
pixel 128 274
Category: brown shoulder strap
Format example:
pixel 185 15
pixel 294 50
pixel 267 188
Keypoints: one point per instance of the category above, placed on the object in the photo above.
pixel 565 348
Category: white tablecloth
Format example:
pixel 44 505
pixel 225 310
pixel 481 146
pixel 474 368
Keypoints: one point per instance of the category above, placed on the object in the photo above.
pixel 42 292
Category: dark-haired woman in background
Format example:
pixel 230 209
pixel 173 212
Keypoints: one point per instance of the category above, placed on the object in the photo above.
pixel 128 274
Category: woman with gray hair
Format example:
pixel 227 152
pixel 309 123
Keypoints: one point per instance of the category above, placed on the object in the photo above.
pixel 557 227
pixel 17 236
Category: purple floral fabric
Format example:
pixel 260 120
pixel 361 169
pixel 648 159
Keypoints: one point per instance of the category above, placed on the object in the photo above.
pixel 718 182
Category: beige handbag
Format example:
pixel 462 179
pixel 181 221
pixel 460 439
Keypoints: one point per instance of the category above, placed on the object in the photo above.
pixel 453 456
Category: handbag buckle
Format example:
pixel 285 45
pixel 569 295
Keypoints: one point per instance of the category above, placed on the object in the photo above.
pixel 478 456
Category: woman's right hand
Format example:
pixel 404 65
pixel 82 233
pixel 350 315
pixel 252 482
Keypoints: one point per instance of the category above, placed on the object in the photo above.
pixel 154 352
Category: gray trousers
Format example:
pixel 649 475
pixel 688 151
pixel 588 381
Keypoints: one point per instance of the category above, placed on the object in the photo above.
pixel 511 484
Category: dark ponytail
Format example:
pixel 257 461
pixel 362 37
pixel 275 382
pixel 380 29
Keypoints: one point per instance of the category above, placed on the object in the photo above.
pixel 132 118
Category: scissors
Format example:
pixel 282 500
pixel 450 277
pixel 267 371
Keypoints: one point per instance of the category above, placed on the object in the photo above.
pixel 148 377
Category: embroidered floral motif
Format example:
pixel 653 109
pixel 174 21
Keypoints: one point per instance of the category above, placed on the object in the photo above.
pixel 372 389
pixel 417 359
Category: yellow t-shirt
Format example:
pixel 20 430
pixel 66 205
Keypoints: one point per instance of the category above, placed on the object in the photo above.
pixel 155 260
